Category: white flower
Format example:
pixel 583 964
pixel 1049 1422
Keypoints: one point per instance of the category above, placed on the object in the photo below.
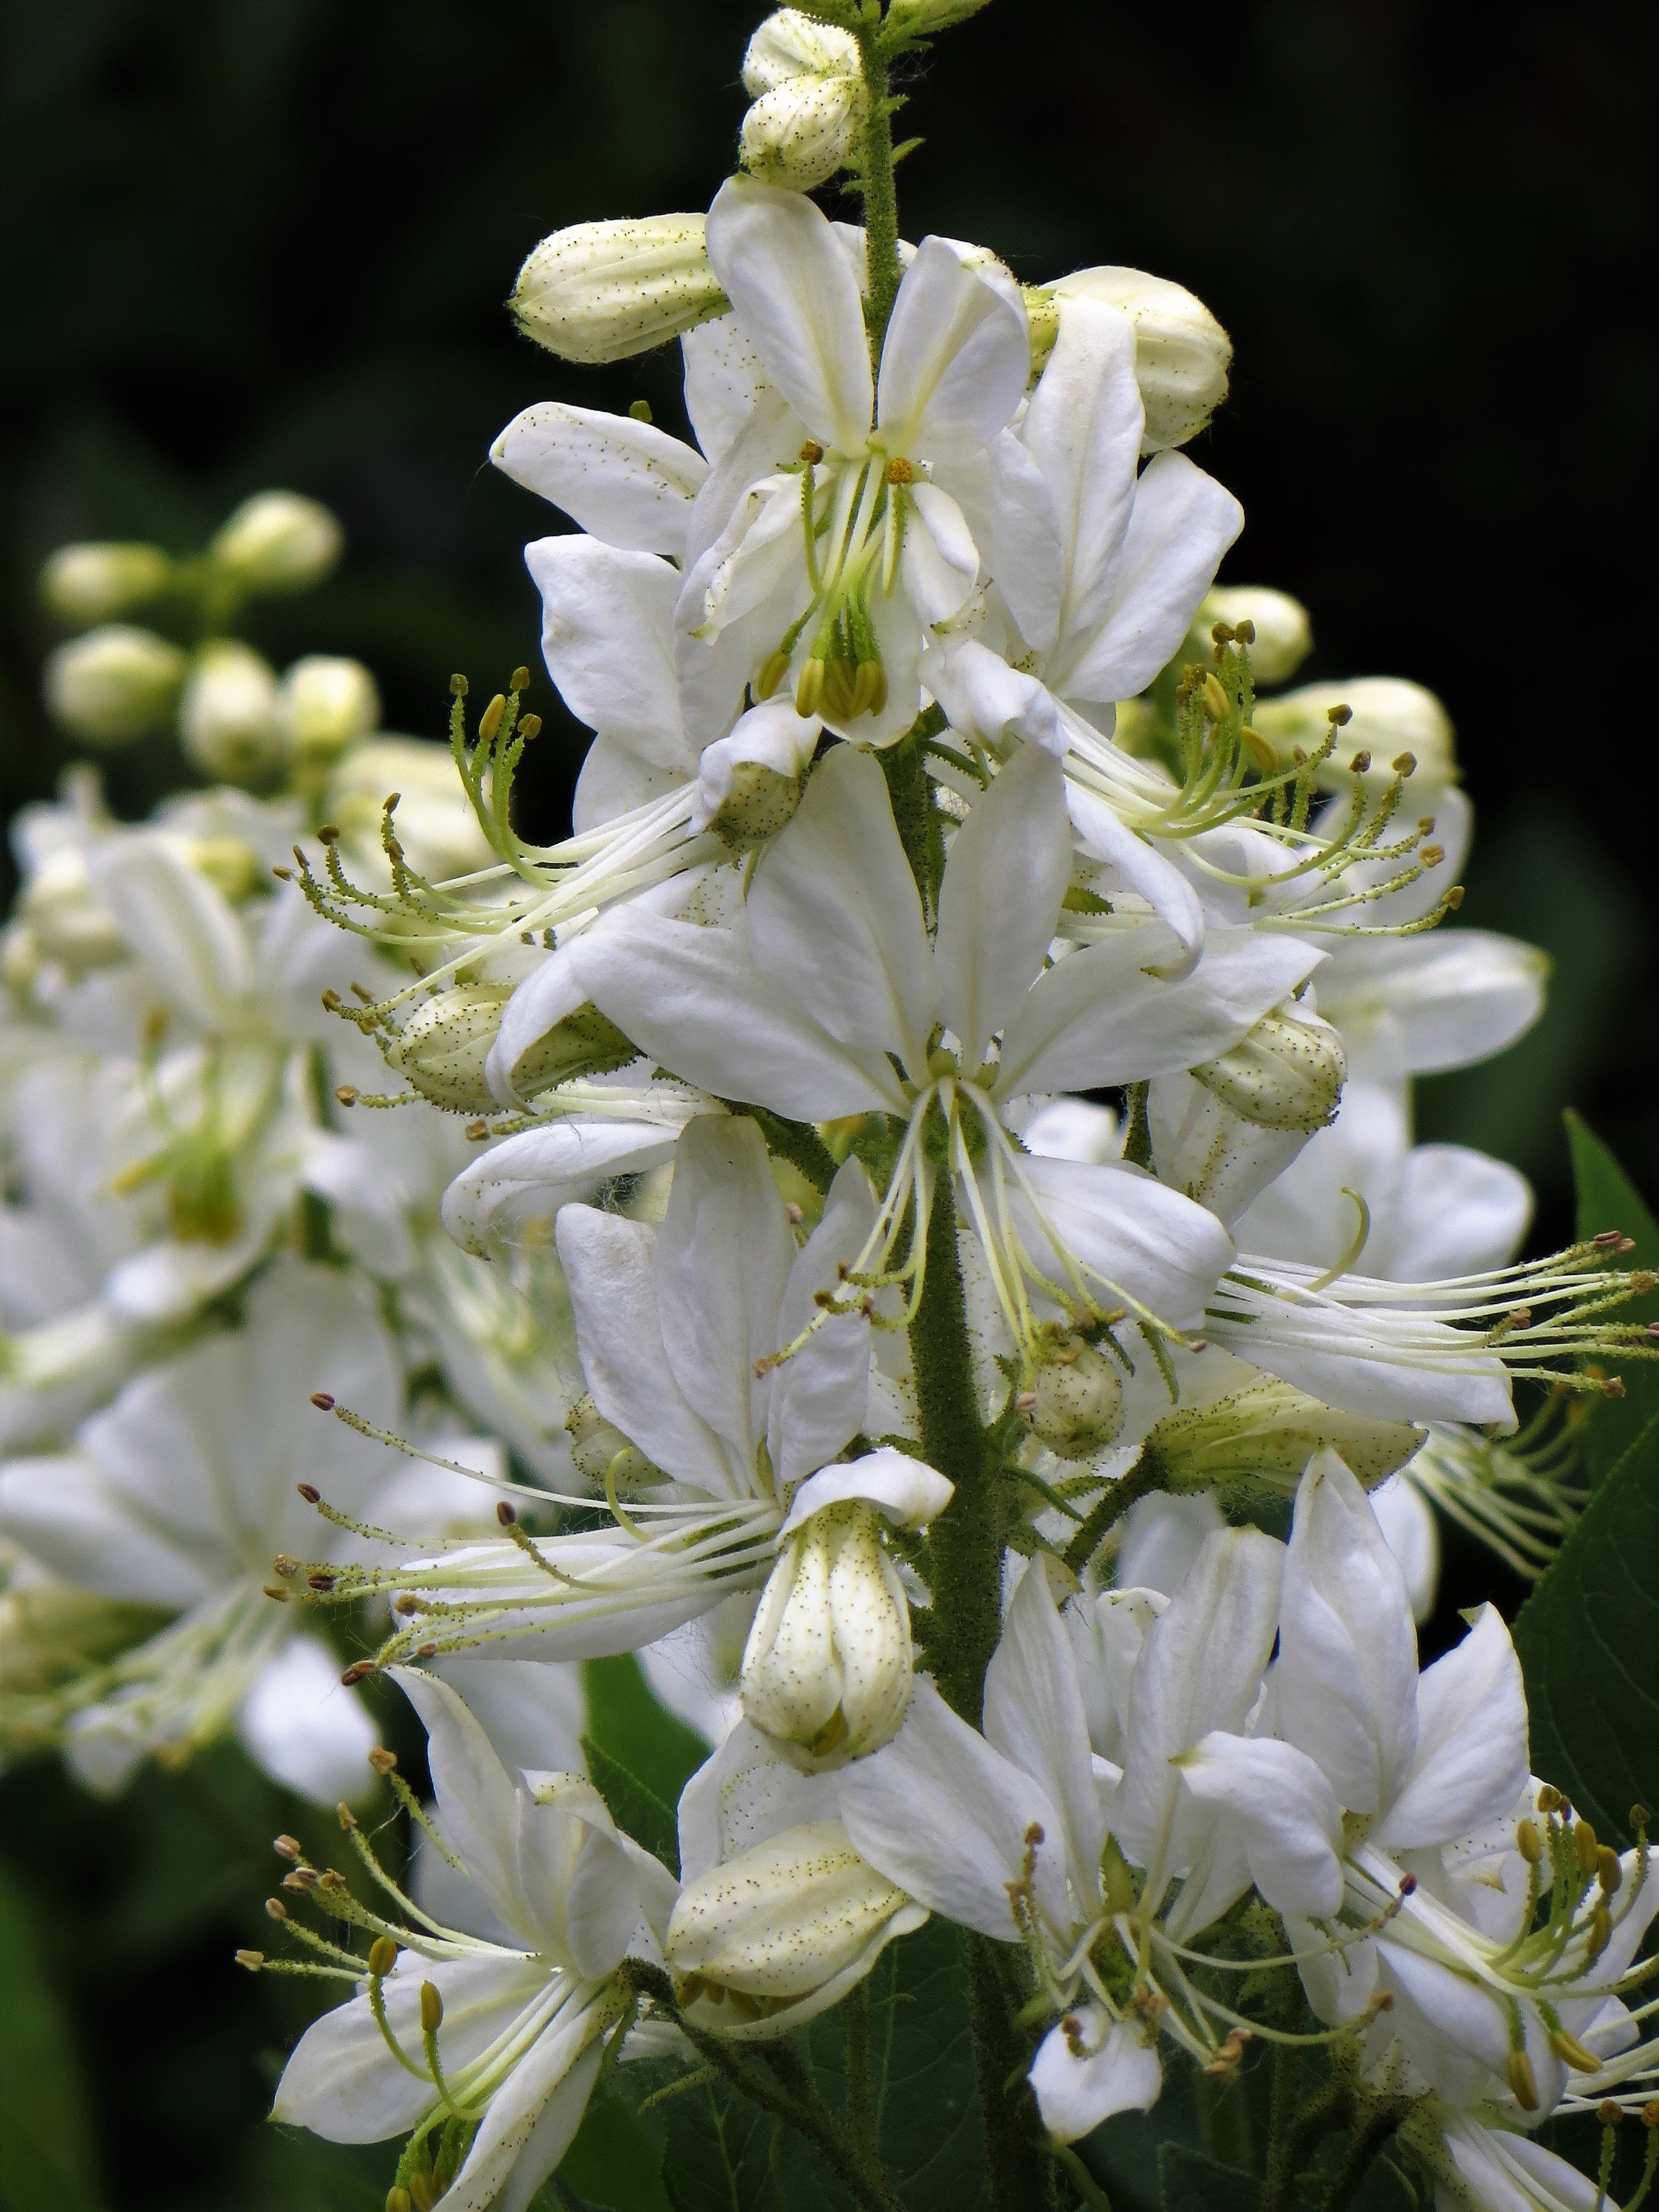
pixel 1497 2170
pixel 829 999
pixel 601 291
pixel 1182 353
pixel 504 2050
pixel 182 1494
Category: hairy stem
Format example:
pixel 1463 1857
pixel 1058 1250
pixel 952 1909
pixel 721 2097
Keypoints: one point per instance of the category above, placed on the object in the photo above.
pixel 1374 2131
pixel 910 793
pixel 861 2090
pixel 1145 1475
pixel 880 192
pixel 1016 2145
pixel 1287 2089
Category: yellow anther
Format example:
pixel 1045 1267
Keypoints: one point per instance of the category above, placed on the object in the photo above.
pixel 1608 1871
pixel 1571 2052
pixel 1585 1845
pixel 865 685
pixel 490 721
pixel 1258 748
pixel 1601 1933
pixel 772 674
pixel 383 1957
pixel 899 470
pixel 1217 705
pixel 808 691
pixel 640 409
pixel 1528 1842
pixel 251 1960
pixel 1524 2082
pixel 811 452
pixel 432 2008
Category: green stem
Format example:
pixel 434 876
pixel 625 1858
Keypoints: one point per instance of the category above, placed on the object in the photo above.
pixel 860 2091
pixel 880 192
pixel 1377 2130
pixel 1327 2113
pixel 1144 1477
pixel 911 793
pixel 1287 2087
pixel 1022 2174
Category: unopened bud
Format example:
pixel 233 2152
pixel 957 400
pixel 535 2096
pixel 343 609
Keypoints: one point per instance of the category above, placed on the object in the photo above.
pixel 65 919
pixel 1283 633
pixel 806 82
pixel 113 685
pixel 1261 1438
pixel 325 704
pixel 84 584
pixel 826 1671
pixel 442 1049
pixel 277 542
pixel 780 1919
pixel 1389 716
pixel 602 291
pixel 1182 353
pixel 228 717
pixel 1076 1401
pixel 1287 1073
pixel 602 1452
pixel 1524 2082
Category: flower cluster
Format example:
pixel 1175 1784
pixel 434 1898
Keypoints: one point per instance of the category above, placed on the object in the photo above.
pixel 921 1179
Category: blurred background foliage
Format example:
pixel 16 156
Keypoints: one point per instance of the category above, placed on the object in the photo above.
pixel 266 242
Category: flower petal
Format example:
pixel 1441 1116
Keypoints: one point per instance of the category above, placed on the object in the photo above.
pixel 906 1490
pixel 630 485
pixel 1283 1810
pixel 1034 1716
pixel 528 1177
pixel 608 640
pixel 955 361
pixel 1113 2070
pixel 1471 1758
pixel 999 901
pixel 306 1730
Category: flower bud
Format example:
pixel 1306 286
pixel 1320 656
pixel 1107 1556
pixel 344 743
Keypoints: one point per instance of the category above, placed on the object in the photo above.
pixel 277 542
pixel 443 1046
pixel 86 584
pixel 1259 1439
pixel 1284 635
pixel 810 101
pixel 602 1453
pixel 325 704
pixel 113 685
pixel 228 717
pixel 232 865
pixel 786 1917
pixel 1074 1402
pixel 1287 1073
pixel 1181 352
pixel 1390 717
pixel 65 920
pixel 602 291
pixel 826 1672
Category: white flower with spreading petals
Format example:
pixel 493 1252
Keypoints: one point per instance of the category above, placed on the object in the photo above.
pixel 485 2053
pixel 181 1495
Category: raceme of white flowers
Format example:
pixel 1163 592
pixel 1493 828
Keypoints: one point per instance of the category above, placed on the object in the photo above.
pixel 724 1248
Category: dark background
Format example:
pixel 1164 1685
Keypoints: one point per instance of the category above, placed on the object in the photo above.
pixel 257 242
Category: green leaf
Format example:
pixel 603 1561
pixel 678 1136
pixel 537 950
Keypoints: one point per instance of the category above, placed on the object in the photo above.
pixel 1588 1641
pixel 1608 1200
pixel 641 1755
pixel 616 2160
pixel 1189 2182
pixel 46 2125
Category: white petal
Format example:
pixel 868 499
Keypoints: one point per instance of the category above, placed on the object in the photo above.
pixel 955 360
pixel 695 1001
pixel 743 1794
pixel 475 1795
pixel 1200 1668
pixel 615 779
pixel 608 640
pixel 944 1816
pixel 784 272
pixel 305 1730
pixel 1458 1213
pixel 723 1253
pixel 63 1513
pixel 1141 868
pixel 1412 1533
pixel 1127 1231
pixel 1285 1813
pixel 1346 1677
pixel 1099 1016
pixel 999 902
pixel 1118 2071
pixel 938 560
pixel 181 927
pixel 723 380
pixel 1034 1716
pixel 1162 1537
pixel 1083 428
pixel 818 1397
pixel 987 700
pixel 629 484
pixel 609 1267
pixel 1008 511
pixel 530 1177
pixel 1416 1006
pixel 529 2125
pixel 772 735
pixel 906 1490
pixel 1471 1741
pixel 1184 521
pixel 836 918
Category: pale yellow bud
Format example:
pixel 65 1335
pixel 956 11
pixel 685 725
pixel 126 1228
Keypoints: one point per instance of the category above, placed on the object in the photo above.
pixel 798 135
pixel 1391 716
pixel 759 801
pixel 1260 1438
pixel 277 541
pixel 602 291
pixel 233 867
pixel 1287 1073
pixel 781 1919
pixel 325 704
pixel 66 923
pixel 826 1672
pixel 1284 634
pixel 91 583
pixel 442 1049
pixel 227 720
pixel 435 824
pixel 1182 353
pixel 113 685
pixel 602 1453
pixel 789 46
pixel 1075 1400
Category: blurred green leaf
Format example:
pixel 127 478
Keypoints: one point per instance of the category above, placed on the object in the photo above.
pixel 1588 1641
pixel 616 2160
pixel 639 1755
pixel 1606 1198
pixel 1190 2182
pixel 46 2130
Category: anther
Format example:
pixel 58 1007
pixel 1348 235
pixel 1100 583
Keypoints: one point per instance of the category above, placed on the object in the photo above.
pixel 345 1094
pixel 458 687
pixel 288 1847
pixel 333 1002
pixel 348 1818
pixel 382 1761
pixel 529 726
pixel 399 2200
pixel 321 1581
pixel 302 1878
pixel 275 1908
pixel 1361 764
pixel 408 1603
pixel 1550 1799
pixel 328 832
pixel 1586 1845
pixel 309 1492
pixel 1571 2052
pixel 1608 1241
pixel 640 409
pixel 811 452
pixel 283 875
pixel 432 2008
pixel 1649 2114
pixel 773 671
pixel 1524 2082
pixel 1245 632
pixel 520 680
pixel 382 1956
pixel 1034 1835
pixel 1339 715
pixel 1217 705
pixel 863 688
pixel 275 1590
pixel 1431 855
pixel 251 1960
pixel 1407 1885
pixel 1608 2113
pixel 794 1215
pixel 359 1670
pixel 1454 898
pixel 1601 1933
pixel 286 1564
pixel 1222 633
pixel 505 1513
pixel 1528 1842
pixel 899 470
pixel 1640 1818
pixel 1405 764
pixel 322 1402
pixel 809 691
pixel 476 1130
pixel 426 1651
pixel 490 721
